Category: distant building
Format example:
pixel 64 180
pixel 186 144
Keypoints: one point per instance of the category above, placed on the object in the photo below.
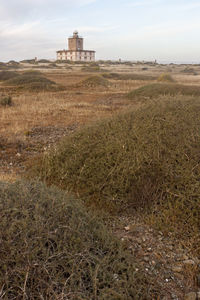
pixel 76 52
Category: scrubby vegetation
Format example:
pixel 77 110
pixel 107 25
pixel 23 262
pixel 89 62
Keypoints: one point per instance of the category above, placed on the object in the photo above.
pixel 6 75
pixel 189 70
pixel 33 73
pixel 128 76
pixel 52 248
pixel 155 90
pixel 32 81
pixel 94 81
pixel 29 61
pixel 5 100
pixel 146 159
pixel 91 68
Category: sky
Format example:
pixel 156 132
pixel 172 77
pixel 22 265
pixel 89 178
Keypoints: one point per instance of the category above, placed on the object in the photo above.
pixel 165 30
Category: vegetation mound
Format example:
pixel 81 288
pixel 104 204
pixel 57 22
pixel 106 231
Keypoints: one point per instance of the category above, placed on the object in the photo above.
pixel 155 90
pixel 29 61
pixel 44 61
pixel 145 159
pixel 52 248
pixel 189 70
pixel 33 82
pixel 24 79
pixel 165 78
pixel 94 81
pixel 128 76
pixel 93 67
pixel 13 64
pixel 33 73
pixel 6 75
pixel 4 66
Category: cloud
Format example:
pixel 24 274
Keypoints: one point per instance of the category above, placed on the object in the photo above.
pixel 20 10
pixel 93 29
pixel 143 3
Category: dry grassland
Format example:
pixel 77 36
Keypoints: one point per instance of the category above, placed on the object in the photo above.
pixel 36 121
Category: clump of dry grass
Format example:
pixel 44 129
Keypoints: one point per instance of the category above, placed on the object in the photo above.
pixel 6 75
pixel 52 247
pixel 155 90
pixel 165 77
pixel 145 160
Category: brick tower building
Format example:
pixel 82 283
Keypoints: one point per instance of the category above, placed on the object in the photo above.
pixel 75 50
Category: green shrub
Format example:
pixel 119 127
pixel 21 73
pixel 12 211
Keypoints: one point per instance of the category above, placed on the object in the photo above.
pixel 155 90
pixel 6 101
pixel 139 160
pixel 165 78
pixel 52 248
pixel 5 75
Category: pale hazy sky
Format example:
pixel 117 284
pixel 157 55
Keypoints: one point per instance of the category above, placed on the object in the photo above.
pixel 167 30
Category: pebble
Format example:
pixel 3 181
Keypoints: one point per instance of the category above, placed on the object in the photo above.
pixel 146 259
pixel 189 262
pixel 177 269
pixel 127 228
pixel 190 296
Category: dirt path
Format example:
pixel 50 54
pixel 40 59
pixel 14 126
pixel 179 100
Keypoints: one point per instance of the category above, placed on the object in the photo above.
pixel 166 262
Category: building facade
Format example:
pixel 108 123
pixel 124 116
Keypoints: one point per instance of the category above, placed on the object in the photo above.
pixel 75 50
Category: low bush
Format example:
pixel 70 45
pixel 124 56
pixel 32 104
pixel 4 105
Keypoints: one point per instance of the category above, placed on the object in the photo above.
pixel 5 75
pixel 91 69
pixel 189 70
pixel 155 90
pixel 128 76
pixel 146 159
pixel 33 82
pixel 4 66
pixel 94 81
pixel 5 100
pixel 44 61
pixel 29 61
pixel 33 73
pixel 52 248
pixel 24 79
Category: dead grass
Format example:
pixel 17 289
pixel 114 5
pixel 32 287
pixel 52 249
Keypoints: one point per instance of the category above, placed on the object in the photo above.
pixel 165 78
